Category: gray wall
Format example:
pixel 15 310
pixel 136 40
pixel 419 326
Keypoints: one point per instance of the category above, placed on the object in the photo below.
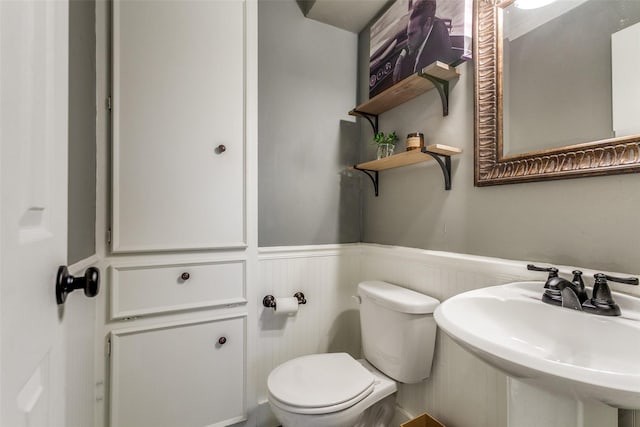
pixel 589 222
pixel 307 196
pixel 307 84
pixel 82 130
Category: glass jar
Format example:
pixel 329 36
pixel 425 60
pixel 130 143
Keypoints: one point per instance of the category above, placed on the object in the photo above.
pixel 415 141
pixel 385 150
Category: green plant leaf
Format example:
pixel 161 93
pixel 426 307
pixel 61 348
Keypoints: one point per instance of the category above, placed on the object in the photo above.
pixel 381 138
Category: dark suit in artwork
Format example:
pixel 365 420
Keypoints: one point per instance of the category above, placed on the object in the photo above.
pixel 427 41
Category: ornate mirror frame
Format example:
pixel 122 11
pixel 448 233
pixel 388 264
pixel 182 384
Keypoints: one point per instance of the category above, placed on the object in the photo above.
pixel 605 157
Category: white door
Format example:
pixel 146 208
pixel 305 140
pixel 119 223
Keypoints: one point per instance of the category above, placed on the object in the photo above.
pixel 33 215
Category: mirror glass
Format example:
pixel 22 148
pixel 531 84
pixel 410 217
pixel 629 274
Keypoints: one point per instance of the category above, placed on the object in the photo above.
pixel 571 73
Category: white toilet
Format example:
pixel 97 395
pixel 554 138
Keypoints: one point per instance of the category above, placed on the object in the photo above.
pixel 335 390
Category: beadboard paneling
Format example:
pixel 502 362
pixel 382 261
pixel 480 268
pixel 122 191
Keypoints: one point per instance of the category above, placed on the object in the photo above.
pixel 462 389
pixel 329 322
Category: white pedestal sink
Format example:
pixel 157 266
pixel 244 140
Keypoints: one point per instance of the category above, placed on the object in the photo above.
pixel 567 368
pixel 531 406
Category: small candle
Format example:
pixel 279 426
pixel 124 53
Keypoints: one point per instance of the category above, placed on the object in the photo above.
pixel 415 141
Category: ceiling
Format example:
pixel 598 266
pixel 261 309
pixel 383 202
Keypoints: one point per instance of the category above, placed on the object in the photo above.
pixel 350 15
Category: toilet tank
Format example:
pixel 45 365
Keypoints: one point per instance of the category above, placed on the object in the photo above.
pixel 398 330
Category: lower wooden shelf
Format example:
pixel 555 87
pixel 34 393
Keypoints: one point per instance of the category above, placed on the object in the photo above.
pixel 408 158
pixel 438 152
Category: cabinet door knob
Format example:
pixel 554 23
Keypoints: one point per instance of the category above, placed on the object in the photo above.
pixel 185 276
pixel 222 340
pixel 221 148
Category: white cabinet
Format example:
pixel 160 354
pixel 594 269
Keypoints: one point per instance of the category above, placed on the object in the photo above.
pixel 188 374
pixel 178 125
pixel 183 122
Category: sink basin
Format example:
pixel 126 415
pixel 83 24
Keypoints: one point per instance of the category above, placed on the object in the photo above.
pixel 590 357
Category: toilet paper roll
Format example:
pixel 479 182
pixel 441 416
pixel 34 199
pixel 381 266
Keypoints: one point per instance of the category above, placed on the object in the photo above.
pixel 286 306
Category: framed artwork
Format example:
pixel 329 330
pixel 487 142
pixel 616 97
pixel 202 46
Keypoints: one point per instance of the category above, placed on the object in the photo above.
pixel 412 34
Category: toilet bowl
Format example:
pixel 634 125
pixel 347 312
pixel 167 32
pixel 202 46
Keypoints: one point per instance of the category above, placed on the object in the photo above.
pixel 336 390
pixel 330 390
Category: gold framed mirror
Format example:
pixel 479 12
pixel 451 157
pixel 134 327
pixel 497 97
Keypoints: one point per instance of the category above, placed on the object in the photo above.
pixel 600 156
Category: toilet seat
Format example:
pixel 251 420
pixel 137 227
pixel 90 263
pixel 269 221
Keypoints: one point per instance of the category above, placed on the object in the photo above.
pixel 321 409
pixel 320 383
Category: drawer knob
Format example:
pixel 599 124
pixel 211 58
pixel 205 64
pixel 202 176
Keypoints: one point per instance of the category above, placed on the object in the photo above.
pixel 222 340
pixel 185 276
pixel 221 149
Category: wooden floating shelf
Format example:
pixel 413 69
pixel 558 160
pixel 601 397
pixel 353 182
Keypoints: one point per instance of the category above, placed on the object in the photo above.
pixel 407 89
pixel 438 152
pixel 408 158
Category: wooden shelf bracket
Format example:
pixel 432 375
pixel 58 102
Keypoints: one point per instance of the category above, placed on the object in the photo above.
pixel 442 86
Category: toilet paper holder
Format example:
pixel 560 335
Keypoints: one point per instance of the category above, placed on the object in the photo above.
pixel 270 301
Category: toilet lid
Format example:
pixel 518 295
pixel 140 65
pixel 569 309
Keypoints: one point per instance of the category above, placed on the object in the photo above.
pixel 319 380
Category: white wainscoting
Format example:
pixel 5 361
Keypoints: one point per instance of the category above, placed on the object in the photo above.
pixel 462 390
pixel 328 322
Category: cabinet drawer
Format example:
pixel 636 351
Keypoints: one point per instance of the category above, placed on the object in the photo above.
pixel 180 374
pixel 147 289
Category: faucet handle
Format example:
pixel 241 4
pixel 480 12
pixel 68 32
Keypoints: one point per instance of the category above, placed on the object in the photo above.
pixel 553 272
pixel 602 301
pixel 602 279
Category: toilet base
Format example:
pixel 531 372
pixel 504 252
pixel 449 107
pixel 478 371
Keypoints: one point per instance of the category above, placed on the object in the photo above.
pixel 378 415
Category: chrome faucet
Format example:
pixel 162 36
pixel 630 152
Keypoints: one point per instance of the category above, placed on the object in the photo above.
pixel 572 294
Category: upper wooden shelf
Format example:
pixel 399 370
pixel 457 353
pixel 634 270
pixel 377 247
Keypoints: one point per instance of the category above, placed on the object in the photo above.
pixel 407 89
pixel 408 158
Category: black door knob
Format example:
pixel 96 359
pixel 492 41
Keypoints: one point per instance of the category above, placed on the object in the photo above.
pixel 66 283
pixel 221 148
pixel 222 340
pixel 185 276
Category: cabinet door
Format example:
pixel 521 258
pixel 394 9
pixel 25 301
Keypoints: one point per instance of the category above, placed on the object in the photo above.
pixel 180 375
pixel 178 125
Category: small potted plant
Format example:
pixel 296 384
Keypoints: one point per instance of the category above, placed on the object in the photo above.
pixel 385 143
